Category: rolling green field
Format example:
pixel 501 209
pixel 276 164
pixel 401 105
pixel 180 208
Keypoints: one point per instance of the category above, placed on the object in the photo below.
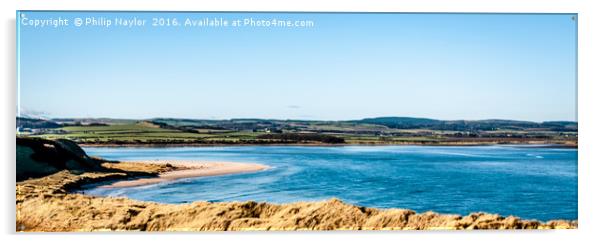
pixel 257 131
pixel 127 133
pixel 147 133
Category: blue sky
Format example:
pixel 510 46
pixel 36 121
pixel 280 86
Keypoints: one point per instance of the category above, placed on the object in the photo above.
pixel 347 66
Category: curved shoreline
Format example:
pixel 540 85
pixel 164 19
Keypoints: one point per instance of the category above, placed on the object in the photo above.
pixel 48 199
pixel 45 205
pixel 188 169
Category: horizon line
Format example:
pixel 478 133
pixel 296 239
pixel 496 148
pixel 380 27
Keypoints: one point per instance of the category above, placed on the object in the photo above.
pixel 290 119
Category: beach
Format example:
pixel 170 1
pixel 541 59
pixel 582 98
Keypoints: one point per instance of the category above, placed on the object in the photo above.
pixel 188 169
pixel 49 198
pixel 377 176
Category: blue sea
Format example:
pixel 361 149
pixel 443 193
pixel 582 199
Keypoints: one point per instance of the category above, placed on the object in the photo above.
pixel 526 181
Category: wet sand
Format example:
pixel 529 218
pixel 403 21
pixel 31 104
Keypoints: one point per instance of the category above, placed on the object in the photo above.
pixel 189 169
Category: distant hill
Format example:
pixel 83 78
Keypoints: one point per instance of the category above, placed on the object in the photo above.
pixel 84 121
pixel 401 122
pixel 467 125
pixel 368 124
pixel 388 122
pixel 40 123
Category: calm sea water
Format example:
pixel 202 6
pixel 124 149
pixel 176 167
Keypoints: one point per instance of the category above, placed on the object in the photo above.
pixel 529 182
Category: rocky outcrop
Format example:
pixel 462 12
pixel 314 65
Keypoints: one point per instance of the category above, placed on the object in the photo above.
pixel 38 157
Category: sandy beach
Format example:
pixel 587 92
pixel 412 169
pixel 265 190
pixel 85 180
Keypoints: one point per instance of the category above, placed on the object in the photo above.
pixel 46 201
pixel 189 169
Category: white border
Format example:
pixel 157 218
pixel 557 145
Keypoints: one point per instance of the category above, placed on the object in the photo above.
pixel 589 113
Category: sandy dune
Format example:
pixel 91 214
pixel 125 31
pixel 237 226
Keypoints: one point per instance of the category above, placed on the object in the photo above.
pixel 46 202
pixel 44 205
